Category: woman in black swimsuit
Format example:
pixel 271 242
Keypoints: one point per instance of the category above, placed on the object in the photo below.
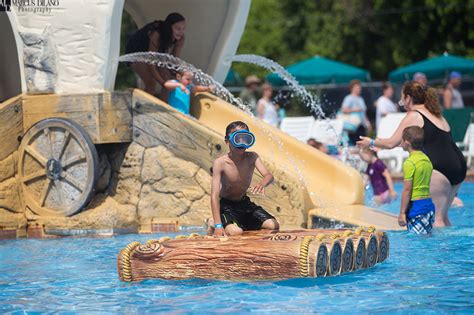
pixel 449 165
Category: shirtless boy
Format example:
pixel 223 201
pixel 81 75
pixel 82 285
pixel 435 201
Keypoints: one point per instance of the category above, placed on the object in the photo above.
pixel 232 210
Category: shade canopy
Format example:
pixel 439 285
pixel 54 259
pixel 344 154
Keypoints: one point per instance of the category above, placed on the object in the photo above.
pixel 434 68
pixel 233 79
pixel 320 70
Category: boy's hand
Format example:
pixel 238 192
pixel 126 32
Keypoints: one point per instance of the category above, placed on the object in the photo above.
pixel 182 87
pixel 258 189
pixel 212 88
pixel 219 232
pixel 402 220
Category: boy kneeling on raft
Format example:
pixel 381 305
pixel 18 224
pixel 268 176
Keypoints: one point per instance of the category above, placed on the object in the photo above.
pixel 417 210
pixel 232 210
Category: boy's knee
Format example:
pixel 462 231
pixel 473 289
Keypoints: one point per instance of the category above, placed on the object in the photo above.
pixel 271 224
pixel 233 230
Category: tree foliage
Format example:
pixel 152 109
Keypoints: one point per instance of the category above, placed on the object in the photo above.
pixel 377 35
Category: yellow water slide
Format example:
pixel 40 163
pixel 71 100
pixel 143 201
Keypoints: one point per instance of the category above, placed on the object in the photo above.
pixel 333 191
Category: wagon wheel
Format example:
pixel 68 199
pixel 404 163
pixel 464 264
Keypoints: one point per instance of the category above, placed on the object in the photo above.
pixel 58 167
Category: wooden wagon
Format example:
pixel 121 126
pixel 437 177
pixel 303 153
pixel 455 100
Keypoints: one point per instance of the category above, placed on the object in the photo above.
pixel 58 164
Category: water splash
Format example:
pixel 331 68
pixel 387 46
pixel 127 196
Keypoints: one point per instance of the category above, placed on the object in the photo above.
pixel 173 63
pixel 308 99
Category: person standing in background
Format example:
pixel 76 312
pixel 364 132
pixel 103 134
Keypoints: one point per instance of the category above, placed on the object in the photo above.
pixel 266 110
pixel 384 104
pixel 249 94
pixel 421 78
pixel 451 96
pixel 354 113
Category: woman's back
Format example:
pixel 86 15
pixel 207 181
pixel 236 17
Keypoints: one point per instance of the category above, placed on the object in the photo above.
pixel 440 147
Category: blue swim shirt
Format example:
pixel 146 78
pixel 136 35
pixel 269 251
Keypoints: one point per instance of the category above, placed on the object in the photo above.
pixel 180 100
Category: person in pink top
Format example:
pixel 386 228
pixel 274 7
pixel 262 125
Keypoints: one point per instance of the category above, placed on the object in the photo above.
pixel 379 176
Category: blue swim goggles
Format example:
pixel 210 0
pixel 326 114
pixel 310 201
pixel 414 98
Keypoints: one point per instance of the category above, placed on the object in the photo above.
pixel 242 139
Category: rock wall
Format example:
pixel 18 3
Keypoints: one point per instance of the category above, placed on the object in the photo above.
pixel 161 185
pixel 11 207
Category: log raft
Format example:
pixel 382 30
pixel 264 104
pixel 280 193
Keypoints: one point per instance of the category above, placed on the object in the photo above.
pixel 258 255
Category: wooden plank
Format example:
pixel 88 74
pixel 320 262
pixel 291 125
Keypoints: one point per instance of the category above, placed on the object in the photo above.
pixel 115 118
pixel 11 126
pixel 81 109
pixel 106 117
pixel 85 118
pixel 115 134
pixel 121 101
pixel 56 103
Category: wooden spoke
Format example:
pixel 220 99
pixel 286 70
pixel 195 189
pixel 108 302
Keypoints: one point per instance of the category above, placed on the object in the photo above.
pixel 72 181
pixel 74 160
pixel 59 189
pixel 48 134
pixel 34 175
pixel 67 136
pixel 44 192
pixel 36 155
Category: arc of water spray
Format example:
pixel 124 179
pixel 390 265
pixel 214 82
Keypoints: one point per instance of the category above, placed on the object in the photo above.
pixel 176 64
pixel 272 66
pixel 307 98
pixel 173 63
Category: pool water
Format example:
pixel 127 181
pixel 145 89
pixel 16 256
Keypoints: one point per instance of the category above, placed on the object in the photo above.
pixel 423 275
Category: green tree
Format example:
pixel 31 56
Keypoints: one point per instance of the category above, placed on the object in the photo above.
pixel 378 35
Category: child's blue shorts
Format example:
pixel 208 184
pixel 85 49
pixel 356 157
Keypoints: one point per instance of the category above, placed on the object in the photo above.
pixel 422 223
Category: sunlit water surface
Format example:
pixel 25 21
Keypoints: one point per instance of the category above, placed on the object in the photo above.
pixel 423 275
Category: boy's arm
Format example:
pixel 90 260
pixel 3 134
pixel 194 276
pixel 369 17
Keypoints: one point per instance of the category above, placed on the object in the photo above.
pixel 391 189
pixel 215 192
pixel 267 177
pixel 406 194
pixel 171 85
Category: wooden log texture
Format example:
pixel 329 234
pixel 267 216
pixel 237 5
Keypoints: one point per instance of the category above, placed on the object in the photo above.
pixel 224 259
pixel 261 255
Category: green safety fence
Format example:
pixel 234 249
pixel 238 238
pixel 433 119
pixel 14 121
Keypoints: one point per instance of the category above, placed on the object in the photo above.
pixel 458 120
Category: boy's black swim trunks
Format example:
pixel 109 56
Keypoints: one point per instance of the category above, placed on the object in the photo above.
pixel 243 213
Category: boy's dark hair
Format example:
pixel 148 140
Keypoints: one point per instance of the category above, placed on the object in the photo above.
pixel 233 125
pixel 415 136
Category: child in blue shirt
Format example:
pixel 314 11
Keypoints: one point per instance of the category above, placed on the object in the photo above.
pixel 181 89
